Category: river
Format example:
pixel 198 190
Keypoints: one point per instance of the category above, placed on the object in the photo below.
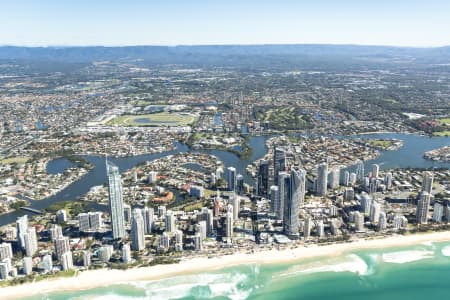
pixel 410 155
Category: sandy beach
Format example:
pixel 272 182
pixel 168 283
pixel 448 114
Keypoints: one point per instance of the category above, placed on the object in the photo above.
pixel 97 278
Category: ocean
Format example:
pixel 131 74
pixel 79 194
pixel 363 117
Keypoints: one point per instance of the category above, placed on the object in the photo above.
pixel 414 272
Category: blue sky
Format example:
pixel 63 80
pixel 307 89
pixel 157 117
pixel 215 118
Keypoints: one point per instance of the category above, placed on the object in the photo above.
pixel 171 22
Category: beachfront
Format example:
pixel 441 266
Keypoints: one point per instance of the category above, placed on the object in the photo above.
pixel 97 278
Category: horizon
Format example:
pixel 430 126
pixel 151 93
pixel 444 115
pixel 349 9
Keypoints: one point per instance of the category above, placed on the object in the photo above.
pixel 224 45
pixel 402 23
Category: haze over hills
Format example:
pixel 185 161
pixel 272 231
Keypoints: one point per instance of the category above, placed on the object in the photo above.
pixel 224 54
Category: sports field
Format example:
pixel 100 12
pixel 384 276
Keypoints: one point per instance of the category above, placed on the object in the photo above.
pixel 157 119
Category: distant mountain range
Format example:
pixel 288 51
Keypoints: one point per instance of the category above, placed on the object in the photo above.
pixel 220 53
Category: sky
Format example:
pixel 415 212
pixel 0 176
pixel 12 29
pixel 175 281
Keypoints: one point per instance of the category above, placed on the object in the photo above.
pixel 422 23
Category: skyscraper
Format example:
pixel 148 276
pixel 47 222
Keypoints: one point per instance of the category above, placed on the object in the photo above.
pixel 5 251
pixel 322 178
pixel 239 184
pixel 170 222
pixel 61 246
pixel 229 226
pixel 423 205
pixel 375 170
pixel 335 174
pixel 307 228
pixel 263 178
pixel 274 199
pixel 115 201
pixel 427 182
pixel 283 190
pixel 22 226
pixel 236 203
pixel 30 238
pixel 27 264
pixel 126 253
pixel 179 240
pixel 438 212
pixel 295 198
pixel 47 263
pixel 279 163
pixel 55 232
pixel 346 180
pixel 388 180
pixel 149 217
pixel 375 211
pixel 86 258
pixel 231 178
pixel 137 230
pixel 67 261
pixel 360 171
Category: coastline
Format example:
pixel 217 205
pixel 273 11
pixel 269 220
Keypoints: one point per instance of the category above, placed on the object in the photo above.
pixel 103 277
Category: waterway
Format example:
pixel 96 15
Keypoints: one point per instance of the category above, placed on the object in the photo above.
pixel 410 155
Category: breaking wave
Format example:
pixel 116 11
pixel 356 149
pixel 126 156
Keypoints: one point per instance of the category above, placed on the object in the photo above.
pixel 350 263
pixel 401 257
pixel 446 251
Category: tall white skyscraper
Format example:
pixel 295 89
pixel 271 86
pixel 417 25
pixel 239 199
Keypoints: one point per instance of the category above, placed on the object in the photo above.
pixel 4 270
pixel 22 226
pixel 365 203
pixel 86 258
pixel 388 180
pixel 438 212
pixel 27 264
pixel 375 211
pixel 115 201
pixel 335 174
pixel 55 232
pixel 322 178
pixel 149 217
pixel 137 230
pixel 236 202
pixel 229 226
pixel 5 251
pixel 346 180
pixel 126 253
pixel 30 238
pixel 375 170
pixel 164 241
pixel 47 263
pixel 307 227
pixel 170 222
pixel 201 229
pixel 360 171
pixel 105 252
pixel 320 229
pixel 67 261
pixel 179 240
pixel 274 199
pixel 359 221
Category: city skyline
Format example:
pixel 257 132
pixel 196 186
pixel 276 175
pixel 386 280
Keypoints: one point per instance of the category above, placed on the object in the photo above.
pixel 115 23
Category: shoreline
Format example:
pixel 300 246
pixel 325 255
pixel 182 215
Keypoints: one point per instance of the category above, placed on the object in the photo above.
pixel 103 277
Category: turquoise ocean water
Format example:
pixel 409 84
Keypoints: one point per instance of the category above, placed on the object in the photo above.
pixel 415 272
